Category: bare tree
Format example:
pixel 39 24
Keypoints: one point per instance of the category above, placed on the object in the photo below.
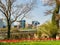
pixel 12 12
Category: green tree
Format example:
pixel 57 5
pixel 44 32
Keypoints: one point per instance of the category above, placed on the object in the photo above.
pixel 49 29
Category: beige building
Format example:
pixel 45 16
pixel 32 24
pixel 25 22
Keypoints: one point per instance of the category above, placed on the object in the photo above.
pixel 28 26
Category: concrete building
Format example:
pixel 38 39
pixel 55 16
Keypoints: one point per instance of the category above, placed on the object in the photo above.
pixel 35 24
pixel 19 24
pixel 16 24
pixel 2 24
pixel 28 26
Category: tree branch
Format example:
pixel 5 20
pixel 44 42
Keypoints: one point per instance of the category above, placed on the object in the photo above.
pixel 2 6
pixel 4 13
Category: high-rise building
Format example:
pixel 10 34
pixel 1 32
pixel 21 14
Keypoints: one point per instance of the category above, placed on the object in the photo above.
pixel 22 23
pixel 35 23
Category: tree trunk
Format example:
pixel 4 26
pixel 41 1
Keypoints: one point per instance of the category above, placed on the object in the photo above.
pixel 54 35
pixel 9 27
pixel 55 22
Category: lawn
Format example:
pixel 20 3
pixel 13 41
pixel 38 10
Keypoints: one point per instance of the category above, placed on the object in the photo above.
pixel 32 43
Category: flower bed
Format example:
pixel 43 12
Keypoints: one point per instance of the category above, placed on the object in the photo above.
pixel 21 40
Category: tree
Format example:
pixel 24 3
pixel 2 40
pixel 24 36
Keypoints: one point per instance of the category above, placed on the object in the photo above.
pixel 54 11
pixel 12 12
pixel 49 29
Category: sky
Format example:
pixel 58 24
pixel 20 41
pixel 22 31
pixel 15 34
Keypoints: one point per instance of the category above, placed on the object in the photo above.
pixel 37 14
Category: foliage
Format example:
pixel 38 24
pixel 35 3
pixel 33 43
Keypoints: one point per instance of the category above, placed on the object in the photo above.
pixel 49 28
pixel 55 16
pixel 54 11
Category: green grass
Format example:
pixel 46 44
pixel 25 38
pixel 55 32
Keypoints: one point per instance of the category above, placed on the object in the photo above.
pixel 33 43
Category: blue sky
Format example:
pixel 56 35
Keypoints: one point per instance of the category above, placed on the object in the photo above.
pixel 37 14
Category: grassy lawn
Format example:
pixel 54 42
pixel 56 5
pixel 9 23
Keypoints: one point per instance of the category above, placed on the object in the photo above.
pixel 33 43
